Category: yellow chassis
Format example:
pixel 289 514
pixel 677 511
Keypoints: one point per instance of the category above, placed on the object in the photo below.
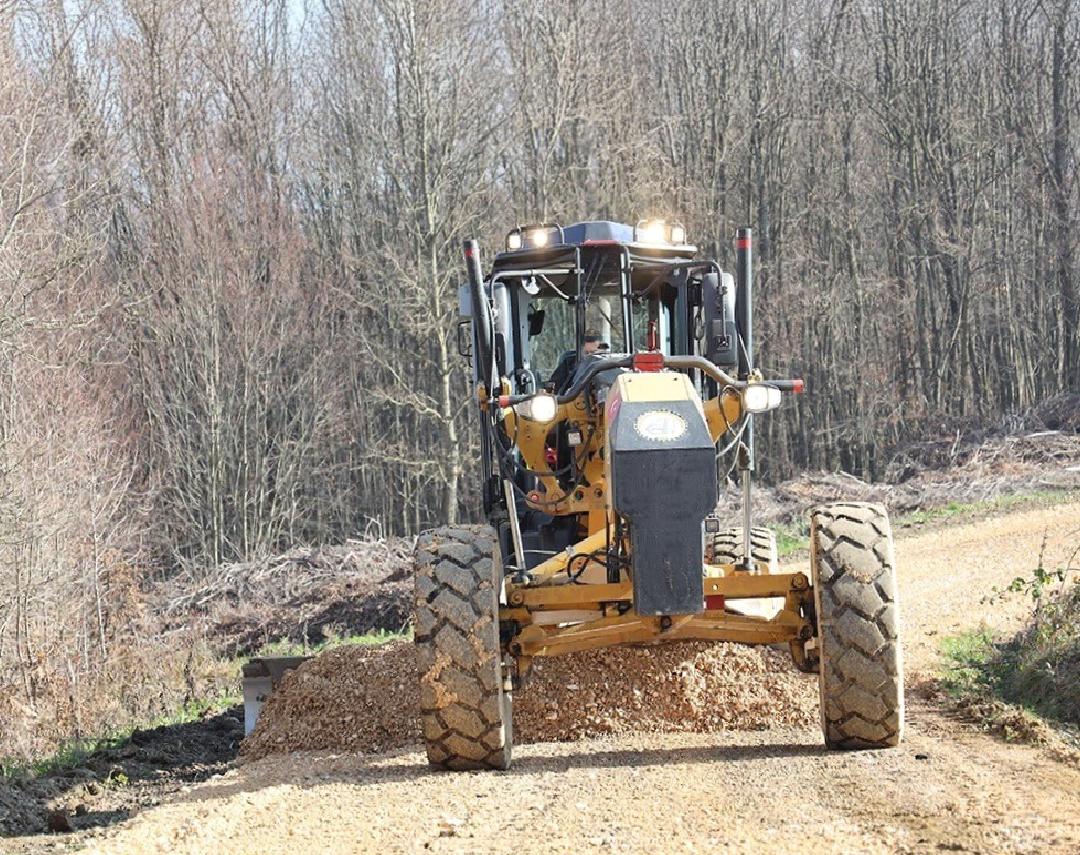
pixel 551 614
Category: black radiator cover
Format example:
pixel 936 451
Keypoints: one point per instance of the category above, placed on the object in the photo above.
pixel 664 489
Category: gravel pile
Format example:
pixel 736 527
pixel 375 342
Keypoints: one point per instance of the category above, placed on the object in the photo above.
pixel 695 686
pixel 365 699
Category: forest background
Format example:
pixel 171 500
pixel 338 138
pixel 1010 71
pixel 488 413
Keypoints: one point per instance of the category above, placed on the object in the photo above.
pixel 230 236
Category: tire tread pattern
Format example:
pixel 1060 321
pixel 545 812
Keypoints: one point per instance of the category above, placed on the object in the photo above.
pixel 464 706
pixel 861 667
pixel 727 546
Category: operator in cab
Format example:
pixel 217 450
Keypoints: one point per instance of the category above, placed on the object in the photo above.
pixel 564 371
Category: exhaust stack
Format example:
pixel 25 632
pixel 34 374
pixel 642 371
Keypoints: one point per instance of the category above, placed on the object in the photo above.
pixel 744 323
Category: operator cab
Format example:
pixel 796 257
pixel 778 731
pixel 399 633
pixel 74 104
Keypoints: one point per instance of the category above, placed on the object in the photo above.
pixel 567 296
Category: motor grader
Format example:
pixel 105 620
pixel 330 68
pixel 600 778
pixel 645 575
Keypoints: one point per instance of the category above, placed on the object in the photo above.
pixel 614 381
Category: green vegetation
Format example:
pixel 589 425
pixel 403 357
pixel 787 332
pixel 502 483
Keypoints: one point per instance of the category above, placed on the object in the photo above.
pixel 1041 665
pixel 974 676
pixel 69 756
pixel 1038 670
pixel 970 663
pixel 999 504
pixel 791 538
pixel 287 647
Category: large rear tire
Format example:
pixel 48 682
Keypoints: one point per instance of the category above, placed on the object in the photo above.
pixel 465 702
pixel 861 675
pixel 727 547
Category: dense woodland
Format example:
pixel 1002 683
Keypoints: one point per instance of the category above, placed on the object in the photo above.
pixel 230 232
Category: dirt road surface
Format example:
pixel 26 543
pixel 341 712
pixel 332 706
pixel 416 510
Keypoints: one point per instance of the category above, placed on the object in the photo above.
pixel 948 788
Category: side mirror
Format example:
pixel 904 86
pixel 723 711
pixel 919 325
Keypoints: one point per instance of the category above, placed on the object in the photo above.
pixel 536 322
pixel 464 338
pixel 718 307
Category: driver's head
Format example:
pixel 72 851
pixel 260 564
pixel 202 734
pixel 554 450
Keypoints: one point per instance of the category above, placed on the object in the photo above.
pixel 592 341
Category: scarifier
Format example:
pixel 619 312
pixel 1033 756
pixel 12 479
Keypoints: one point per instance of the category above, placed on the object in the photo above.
pixel 613 374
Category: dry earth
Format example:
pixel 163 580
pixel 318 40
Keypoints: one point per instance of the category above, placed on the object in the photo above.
pixel 949 787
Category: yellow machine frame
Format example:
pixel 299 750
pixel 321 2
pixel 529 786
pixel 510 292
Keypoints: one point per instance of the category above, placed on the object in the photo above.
pixel 551 613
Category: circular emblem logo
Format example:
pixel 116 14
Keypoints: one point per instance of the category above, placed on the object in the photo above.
pixel 660 425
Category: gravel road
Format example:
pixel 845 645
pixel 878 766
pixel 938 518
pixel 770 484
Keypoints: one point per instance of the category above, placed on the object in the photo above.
pixel 948 787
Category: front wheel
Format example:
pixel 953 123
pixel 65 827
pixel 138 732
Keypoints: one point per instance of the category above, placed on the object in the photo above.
pixel 465 702
pixel 861 677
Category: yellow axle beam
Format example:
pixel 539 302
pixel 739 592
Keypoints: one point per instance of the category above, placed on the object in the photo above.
pixel 632 628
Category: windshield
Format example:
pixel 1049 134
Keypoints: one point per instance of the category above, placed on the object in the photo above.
pixel 551 324
pixel 555 318
pixel 604 316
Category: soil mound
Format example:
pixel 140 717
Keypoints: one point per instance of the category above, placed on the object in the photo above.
pixel 365 699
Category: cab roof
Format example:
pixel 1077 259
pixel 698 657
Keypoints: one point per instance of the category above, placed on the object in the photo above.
pixel 592 233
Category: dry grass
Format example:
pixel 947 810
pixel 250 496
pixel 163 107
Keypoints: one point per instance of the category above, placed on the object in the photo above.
pixel 140 683
pixel 168 646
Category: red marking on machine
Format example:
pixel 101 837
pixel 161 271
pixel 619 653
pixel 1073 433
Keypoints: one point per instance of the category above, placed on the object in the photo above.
pixel 648 361
pixel 613 405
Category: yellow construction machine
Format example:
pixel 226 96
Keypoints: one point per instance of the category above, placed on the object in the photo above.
pixel 614 377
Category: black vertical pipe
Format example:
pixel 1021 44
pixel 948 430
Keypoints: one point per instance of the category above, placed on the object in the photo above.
pixel 483 356
pixel 744 310
pixel 744 320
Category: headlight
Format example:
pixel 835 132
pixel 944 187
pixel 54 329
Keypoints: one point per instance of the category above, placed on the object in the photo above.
pixel 539 237
pixel 660 425
pixel 760 398
pixel 678 234
pixel 539 408
pixel 513 241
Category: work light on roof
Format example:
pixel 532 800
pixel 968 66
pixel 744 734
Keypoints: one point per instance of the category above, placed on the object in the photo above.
pixel 650 231
pixel 535 236
pixel 659 232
